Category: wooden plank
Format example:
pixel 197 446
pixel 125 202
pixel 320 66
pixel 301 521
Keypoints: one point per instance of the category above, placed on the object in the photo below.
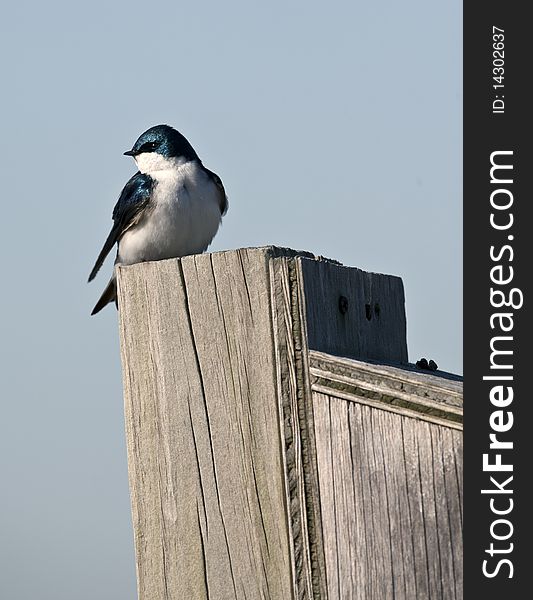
pixel 327 496
pixel 380 404
pixel 390 497
pixel 241 420
pixel 452 455
pixel 206 478
pixel 387 444
pixel 445 541
pixel 367 576
pixel 246 482
pixel 344 500
pixel 425 511
pixel 429 511
pixel 298 444
pixel 425 392
pixel 413 484
pixel 379 534
pixel 373 326
pixel 434 398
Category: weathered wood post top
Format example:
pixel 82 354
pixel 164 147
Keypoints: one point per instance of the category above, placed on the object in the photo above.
pixel 279 447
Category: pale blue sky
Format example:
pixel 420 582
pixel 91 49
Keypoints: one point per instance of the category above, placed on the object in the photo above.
pixel 336 128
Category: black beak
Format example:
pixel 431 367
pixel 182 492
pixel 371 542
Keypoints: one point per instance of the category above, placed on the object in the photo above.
pixel 129 153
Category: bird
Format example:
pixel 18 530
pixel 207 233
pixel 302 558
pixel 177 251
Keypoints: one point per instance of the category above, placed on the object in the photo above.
pixel 171 207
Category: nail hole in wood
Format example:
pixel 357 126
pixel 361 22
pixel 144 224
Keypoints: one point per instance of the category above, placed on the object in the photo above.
pixel 368 310
pixel 343 305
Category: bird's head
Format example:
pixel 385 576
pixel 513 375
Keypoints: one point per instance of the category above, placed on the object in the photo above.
pixel 160 148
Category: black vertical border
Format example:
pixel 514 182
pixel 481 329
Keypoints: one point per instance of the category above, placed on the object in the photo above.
pixel 485 132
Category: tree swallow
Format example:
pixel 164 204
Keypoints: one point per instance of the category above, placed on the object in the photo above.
pixel 171 207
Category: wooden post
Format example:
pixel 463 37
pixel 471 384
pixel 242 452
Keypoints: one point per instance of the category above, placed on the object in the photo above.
pixel 264 461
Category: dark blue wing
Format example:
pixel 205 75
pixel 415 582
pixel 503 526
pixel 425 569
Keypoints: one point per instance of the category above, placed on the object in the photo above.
pixel 133 199
pixel 222 198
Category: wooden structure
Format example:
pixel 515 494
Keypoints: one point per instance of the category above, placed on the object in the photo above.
pixel 275 451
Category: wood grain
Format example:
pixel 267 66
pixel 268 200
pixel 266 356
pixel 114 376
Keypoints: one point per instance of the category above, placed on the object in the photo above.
pixel 262 467
pixel 302 496
pixel 374 324
pixel 391 504
pixel 203 429
pixel 435 397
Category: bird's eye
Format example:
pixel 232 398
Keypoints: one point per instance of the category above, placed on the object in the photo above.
pixel 148 147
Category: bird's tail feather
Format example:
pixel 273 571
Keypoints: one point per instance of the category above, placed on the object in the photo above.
pixel 110 241
pixel 109 295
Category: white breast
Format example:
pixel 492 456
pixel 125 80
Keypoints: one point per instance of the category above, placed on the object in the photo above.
pixel 182 218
